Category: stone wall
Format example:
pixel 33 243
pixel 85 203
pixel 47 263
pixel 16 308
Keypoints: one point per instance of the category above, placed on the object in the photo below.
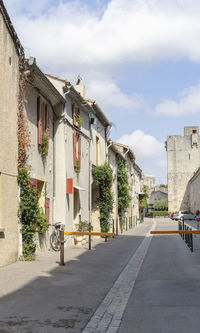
pixel 9 83
pixel 183 158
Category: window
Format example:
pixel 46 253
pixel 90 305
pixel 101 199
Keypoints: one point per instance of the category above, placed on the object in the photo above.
pixel 44 200
pixel 42 118
pixel 75 113
pixel 77 149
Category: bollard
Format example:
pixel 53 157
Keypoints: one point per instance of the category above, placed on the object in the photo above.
pixel 183 226
pixel 129 225
pixel 62 247
pixel 89 237
pixel 131 222
pixel 116 227
pixel 113 227
pixel 126 224
pixel 106 238
pixel 191 242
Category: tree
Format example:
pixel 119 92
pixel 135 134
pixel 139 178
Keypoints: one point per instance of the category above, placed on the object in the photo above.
pixel 161 204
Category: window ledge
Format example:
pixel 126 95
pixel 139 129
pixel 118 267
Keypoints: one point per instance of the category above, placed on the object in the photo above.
pixel 2 229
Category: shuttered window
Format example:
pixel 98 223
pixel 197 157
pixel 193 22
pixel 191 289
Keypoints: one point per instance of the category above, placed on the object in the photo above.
pixel 77 148
pixel 39 119
pixel 34 183
pixel 43 113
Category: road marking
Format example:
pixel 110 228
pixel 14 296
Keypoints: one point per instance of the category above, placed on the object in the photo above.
pixel 108 315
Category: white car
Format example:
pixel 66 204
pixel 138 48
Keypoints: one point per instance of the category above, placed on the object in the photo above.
pixel 184 213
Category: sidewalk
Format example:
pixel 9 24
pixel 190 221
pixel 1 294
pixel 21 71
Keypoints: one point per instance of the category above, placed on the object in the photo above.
pixel 43 297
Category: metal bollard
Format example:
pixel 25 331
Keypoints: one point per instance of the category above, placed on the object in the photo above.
pixel 116 227
pixel 183 226
pixel 89 237
pixel 126 224
pixel 113 227
pixel 62 247
pixel 191 242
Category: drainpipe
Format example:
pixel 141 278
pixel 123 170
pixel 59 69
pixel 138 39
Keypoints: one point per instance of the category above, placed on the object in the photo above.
pixel 126 152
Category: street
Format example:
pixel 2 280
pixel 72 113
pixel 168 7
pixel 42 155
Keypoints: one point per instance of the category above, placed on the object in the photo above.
pixel 131 283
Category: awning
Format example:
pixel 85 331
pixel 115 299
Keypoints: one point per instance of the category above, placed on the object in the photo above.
pixel 79 188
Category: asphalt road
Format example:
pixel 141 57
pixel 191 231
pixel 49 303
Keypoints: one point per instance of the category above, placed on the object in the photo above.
pixel 166 295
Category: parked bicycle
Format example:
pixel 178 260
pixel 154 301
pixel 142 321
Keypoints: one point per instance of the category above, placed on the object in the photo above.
pixel 55 236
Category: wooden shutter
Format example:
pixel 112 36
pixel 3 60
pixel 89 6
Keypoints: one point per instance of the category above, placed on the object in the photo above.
pixel 79 149
pixel 39 119
pixel 34 183
pixel 69 186
pixel 74 145
pixel 46 119
pixel 47 204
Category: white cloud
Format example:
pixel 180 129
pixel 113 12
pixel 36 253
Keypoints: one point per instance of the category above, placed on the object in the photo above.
pixel 150 153
pixel 110 97
pixel 143 145
pixel 188 102
pixel 127 31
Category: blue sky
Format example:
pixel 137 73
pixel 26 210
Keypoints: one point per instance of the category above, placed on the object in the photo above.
pixel 140 60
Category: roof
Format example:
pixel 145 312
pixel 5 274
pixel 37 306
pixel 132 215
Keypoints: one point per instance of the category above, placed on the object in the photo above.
pixel 45 86
pixel 89 105
pixel 57 78
pixel 112 146
pixel 129 151
pixel 138 169
pixel 10 27
pixel 99 113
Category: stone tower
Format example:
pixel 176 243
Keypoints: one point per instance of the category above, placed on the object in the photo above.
pixel 183 159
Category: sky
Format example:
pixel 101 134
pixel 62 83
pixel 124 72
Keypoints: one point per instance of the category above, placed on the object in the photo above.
pixel 139 59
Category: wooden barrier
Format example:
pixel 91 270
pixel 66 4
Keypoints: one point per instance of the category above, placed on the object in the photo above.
pixel 87 233
pixel 78 233
pixel 169 232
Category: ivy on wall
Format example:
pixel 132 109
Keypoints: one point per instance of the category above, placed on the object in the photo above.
pixel 103 177
pixel 31 215
pixel 23 131
pixel 123 187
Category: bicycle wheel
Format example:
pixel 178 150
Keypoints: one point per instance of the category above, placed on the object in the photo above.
pixel 55 241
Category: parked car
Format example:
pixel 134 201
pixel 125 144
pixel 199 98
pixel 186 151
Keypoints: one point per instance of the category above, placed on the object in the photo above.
pixel 184 213
pixel 172 215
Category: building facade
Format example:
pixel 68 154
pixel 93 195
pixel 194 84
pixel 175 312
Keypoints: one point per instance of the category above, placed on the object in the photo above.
pixel 183 160
pixel 10 56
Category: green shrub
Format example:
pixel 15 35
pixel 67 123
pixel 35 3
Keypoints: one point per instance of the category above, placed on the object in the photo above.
pixel 161 204
pixel 157 213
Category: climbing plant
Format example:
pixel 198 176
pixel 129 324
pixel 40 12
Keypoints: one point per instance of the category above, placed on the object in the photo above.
pixel 123 187
pixel 23 131
pixel 103 177
pixel 44 147
pixel 31 216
